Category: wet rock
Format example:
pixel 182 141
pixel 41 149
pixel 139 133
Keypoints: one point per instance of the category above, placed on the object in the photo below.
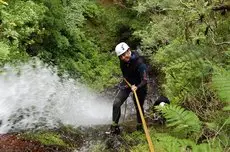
pixel 114 143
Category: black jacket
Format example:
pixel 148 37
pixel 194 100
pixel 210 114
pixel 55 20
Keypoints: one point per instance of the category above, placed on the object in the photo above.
pixel 135 71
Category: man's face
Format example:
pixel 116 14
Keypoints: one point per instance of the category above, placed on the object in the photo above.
pixel 125 56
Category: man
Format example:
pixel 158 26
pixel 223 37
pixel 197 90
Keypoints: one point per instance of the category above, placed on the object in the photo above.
pixel 134 71
pixel 161 100
pixel 158 116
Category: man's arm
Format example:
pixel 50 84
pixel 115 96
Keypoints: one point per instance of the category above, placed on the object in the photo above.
pixel 142 69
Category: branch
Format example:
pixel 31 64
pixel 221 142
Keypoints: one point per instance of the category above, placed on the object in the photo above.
pixel 222 43
pixel 184 4
pixel 3 2
pixel 221 7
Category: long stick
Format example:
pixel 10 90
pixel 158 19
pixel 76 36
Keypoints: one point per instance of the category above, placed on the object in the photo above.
pixel 142 119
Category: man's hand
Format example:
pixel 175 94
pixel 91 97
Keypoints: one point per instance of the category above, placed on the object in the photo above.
pixel 133 88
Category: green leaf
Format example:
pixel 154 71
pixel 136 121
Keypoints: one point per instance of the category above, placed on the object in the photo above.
pixel 3 2
pixel 181 120
pixel 227 108
pixel 221 83
pixel 4 50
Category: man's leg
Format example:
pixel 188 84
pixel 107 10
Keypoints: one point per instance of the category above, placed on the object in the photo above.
pixel 141 94
pixel 119 100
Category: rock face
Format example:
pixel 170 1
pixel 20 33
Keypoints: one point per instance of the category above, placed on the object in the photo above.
pixel 13 143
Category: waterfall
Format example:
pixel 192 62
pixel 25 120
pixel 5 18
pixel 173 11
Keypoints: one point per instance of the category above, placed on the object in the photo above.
pixel 33 96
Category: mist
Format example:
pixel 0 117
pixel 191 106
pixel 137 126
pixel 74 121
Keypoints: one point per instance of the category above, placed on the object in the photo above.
pixel 32 95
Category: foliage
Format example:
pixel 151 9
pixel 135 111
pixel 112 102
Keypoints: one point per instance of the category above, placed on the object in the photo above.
pixel 20 28
pixel 187 41
pixel 46 138
pixel 184 122
pixel 79 50
pixel 164 142
pixel 3 2
pixel 174 144
pixel 185 68
pixel 185 37
pixel 20 22
pixel 56 32
pixel 76 36
pixel 221 82
pixel 4 51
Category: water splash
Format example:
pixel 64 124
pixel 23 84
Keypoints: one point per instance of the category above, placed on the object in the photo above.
pixel 32 96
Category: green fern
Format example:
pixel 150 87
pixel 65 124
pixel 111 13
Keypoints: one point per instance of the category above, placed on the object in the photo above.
pixel 183 121
pixel 221 83
pixel 185 69
pixel 164 142
pixel 173 144
pixel 206 148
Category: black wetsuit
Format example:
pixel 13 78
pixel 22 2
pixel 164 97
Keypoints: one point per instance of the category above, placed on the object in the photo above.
pixel 135 72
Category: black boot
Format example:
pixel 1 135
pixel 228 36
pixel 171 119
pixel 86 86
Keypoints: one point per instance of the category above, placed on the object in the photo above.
pixel 139 127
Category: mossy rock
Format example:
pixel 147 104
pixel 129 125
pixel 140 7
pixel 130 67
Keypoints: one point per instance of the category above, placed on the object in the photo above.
pixel 65 137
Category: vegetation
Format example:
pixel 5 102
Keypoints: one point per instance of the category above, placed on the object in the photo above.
pixel 47 138
pixel 64 137
pixel 187 42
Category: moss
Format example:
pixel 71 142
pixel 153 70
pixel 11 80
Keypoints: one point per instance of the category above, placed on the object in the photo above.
pixel 46 138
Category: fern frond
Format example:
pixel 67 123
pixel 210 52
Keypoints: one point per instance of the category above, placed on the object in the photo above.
pixel 206 148
pixel 185 69
pixel 182 120
pixel 221 83
pixel 174 144
pixel 170 143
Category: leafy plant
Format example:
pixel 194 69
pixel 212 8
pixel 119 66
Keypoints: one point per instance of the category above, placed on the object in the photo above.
pixel 20 22
pixel 164 142
pixel 4 51
pixel 221 83
pixel 182 121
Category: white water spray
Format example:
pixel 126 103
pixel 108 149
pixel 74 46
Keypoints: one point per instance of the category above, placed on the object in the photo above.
pixel 33 96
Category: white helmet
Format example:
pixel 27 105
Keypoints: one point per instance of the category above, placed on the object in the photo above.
pixel 162 104
pixel 121 48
